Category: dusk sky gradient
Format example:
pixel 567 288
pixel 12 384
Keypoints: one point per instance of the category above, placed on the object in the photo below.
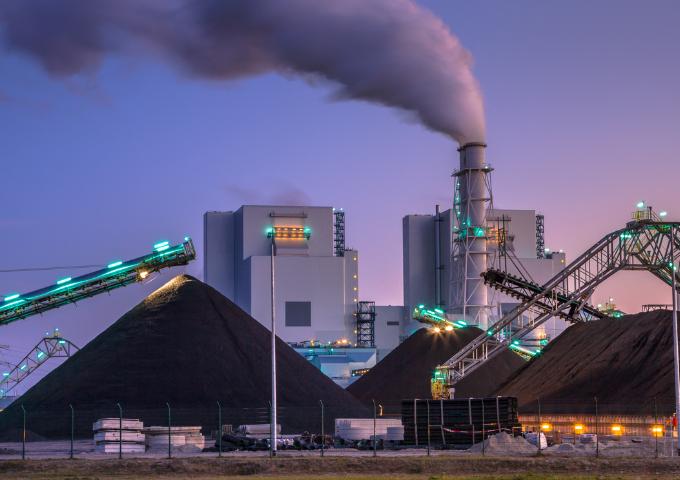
pixel 582 105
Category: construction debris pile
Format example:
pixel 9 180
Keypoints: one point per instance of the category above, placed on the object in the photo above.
pixel 460 422
pixel 407 370
pixel 186 345
pixel 624 362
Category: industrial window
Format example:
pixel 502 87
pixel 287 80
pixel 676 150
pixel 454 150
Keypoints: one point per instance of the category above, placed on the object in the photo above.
pixel 393 323
pixel 298 314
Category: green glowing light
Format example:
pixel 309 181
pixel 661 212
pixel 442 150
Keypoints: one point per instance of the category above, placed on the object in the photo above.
pixel 662 214
pixel 547 249
pixel 63 280
pixel 162 244
pixel 438 311
pixel 115 264
pixel 41 354
pixel 11 297
pixel 489 332
pixel 186 239
pixel 62 341
pixel 462 323
pixel 24 367
pixel 437 373
pixel 6 374
pixel 421 306
pixel 641 205
pixel 160 249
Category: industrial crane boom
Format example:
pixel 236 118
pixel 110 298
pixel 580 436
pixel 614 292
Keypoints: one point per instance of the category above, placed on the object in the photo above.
pixel 119 274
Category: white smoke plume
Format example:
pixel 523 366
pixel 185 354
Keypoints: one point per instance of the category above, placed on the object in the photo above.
pixel 391 52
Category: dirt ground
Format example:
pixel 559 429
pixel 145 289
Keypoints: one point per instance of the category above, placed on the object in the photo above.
pixel 357 467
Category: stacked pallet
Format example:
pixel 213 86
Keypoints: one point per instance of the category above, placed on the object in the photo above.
pixel 179 436
pixel 460 421
pixel 108 436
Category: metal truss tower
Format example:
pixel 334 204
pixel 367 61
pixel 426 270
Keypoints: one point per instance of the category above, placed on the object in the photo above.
pixel 49 347
pixel 540 232
pixel 366 324
pixel 339 233
pixel 473 198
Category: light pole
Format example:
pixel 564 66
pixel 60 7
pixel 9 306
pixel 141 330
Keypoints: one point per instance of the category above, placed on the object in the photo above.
pixel 273 415
pixel 675 329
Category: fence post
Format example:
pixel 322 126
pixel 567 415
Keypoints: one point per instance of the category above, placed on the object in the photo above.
pixel 597 436
pixel 72 422
pixel 169 431
pixel 219 432
pixel 656 434
pixel 375 435
pixel 323 437
pixel 120 431
pixel 483 420
pixel 428 427
pixel 538 436
pixel 23 445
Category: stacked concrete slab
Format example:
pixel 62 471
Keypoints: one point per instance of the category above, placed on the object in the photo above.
pixel 178 437
pixel 362 428
pixel 109 431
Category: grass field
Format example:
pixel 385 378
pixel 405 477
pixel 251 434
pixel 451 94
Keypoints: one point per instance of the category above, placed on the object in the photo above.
pixel 491 468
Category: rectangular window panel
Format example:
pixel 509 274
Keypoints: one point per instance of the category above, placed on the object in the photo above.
pixel 298 314
pixel 393 323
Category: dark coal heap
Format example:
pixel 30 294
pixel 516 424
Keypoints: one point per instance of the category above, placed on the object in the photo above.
pixel 406 372
pixel 624 362
pixel 187 345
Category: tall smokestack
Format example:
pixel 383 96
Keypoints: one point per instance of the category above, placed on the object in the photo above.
pixel 469 294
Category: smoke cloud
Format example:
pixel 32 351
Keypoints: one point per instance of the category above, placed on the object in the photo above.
pixel 389 52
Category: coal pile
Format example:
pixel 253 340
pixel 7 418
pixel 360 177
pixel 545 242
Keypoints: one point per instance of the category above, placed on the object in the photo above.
pixel 187 345
pixel 462 421
pixel 624 362
pixel 406 372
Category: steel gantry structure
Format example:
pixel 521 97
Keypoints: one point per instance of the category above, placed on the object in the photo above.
pixel 119 274
pixel 646 243
pixel 49 347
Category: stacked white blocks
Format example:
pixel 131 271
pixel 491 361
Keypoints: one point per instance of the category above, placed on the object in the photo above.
pixel 108 436
pixel 178 436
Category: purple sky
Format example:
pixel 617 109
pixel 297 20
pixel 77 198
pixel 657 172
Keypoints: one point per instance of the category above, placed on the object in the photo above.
pixel 582 110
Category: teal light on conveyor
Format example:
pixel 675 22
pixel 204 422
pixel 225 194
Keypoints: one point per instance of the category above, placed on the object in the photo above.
pixel 63 280
pixel 24 367
pixel 11 297
pixel 41 354
pixel 461 322
pixel 437 373
pixel 489 332
pixel 663 214
pixel 115 264
pixel 186 239
pixel 421 306
pixel 438 311
pixel 159 245
pixel 6 374
pixel 160 249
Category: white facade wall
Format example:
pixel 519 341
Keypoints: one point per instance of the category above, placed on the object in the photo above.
pixel 237 263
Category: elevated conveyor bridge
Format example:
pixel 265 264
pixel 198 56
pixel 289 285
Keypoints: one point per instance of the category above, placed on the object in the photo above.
pixel 646 243
pixel 119 274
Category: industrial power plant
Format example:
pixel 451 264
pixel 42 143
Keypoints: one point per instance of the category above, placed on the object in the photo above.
pixel 261 336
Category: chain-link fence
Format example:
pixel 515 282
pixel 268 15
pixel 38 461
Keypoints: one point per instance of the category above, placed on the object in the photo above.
pixel 424 427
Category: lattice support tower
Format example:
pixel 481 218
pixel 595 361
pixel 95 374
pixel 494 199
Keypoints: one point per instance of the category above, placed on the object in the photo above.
pixel 339 233
pixel 540 235
pixel 366 324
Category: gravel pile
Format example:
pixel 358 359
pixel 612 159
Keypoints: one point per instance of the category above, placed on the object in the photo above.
pixel 188 345
pixel 503 444
pixel 406 372
pixel 642 447
pixel 624 362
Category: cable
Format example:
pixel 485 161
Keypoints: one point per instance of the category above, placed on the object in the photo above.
pixel 51 268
